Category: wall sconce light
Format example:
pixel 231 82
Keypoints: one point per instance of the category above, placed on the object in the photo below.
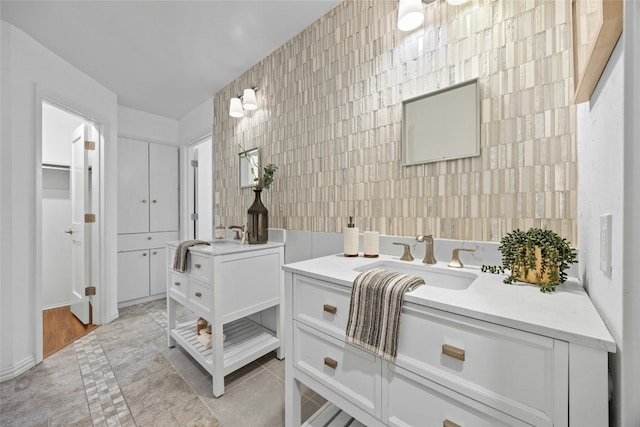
pixel 245 102
pixel 410 15
pixel 235 108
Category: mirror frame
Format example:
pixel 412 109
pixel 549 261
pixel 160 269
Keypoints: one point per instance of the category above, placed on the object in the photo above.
pixel 248 176
pixel 442 125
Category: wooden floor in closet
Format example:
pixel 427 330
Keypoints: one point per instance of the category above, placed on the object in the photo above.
pixel 60 328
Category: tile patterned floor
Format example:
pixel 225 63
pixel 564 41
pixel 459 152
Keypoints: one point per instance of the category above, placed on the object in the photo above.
pixel 123 374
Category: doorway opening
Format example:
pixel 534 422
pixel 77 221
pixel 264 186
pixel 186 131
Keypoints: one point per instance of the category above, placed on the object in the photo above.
pixel 70 237
pixel 200 190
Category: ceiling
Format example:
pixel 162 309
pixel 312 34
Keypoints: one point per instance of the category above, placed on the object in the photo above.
pixel 163 57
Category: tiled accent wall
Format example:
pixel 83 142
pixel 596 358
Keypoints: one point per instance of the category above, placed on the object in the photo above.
pixel 330 111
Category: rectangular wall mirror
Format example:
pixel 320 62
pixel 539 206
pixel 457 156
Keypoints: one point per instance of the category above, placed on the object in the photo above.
pixel 249 167
pixel 442 125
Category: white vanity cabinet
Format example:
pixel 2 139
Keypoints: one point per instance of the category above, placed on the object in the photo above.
pixel 473 357
pixel 227 284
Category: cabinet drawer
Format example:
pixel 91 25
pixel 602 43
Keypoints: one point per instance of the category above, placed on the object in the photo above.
pixel 347 370
pixel 415 401
pixel 129 242
pixel 199 297
pixel 502 367
pixel 199 267
pixel 178 286
pixel 322 305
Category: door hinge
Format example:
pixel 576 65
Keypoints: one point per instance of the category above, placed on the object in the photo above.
pixel 89 218
pixel 194 163
pixel 89 145
pixel 194 216
pixel 89 291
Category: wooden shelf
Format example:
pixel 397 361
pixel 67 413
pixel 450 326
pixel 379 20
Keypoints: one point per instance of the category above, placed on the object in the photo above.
pixel 246 341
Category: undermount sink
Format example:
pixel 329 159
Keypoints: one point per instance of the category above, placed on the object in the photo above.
pixel 223 241
pixel 448 279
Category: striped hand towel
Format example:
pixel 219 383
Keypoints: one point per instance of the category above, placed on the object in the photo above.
pixel 374 313
pixel 180 258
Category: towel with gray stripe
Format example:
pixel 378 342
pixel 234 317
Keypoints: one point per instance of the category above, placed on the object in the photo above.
pixel 180 258
pixel 374 312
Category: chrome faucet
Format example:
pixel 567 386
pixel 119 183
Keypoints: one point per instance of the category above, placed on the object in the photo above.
pixel 428 250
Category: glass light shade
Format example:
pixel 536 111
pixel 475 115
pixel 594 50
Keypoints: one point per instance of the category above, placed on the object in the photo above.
pixel 456 2
pixel 410 14
pixel 249 100
pixel 235 108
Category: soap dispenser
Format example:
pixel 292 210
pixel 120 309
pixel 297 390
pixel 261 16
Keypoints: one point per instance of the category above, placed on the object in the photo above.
pixel 351 242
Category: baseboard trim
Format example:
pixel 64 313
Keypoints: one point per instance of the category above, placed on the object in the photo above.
pixel 13 371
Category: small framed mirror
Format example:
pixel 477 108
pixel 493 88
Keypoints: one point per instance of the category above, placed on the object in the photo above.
pixel 442 125
pixel 249 167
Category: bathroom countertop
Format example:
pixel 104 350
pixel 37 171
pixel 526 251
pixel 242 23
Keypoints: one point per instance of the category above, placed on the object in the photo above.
pixel 227 246
pixel 566 314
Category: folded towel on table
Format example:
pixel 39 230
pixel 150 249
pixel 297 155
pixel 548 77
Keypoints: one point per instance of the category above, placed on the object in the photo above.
pixel 180 258
pixel 374 313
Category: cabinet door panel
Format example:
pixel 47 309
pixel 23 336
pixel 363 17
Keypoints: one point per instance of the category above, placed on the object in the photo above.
pixel 157 271
pixel 133 186
pixel 133 275
pixel 163 188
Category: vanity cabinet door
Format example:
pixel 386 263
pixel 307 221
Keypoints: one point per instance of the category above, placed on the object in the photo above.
pixel 133 275
pixel 157 271
pixel 323 305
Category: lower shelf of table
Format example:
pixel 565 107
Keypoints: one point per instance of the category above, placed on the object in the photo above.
pixel 330 415
pixel 246 341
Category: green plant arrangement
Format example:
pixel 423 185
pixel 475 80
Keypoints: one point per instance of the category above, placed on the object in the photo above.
pixel 266 179
pixel 536 256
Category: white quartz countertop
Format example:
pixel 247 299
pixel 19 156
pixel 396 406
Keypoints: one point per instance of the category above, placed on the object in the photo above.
pixel 227 246
pixel 566 314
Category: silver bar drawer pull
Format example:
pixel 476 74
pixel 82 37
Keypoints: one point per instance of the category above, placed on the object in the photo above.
pixel 447 423
pixel 330 308
pixel 197 266
pixel 451 351
pixel 198 294
pixel 330 362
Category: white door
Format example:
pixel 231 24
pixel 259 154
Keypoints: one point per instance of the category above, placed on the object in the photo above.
pixel 80 230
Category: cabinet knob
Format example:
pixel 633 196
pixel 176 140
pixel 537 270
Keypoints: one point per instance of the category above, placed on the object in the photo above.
pixel 330 362
pixel 447 423
pixel 144 254
pixel 149 238
pixel 144 200
pixel 155 253
pixel 197 266
pixel 451 351
pixel 330 308
pixel 154 201
pixel 198 294
pixel 177 283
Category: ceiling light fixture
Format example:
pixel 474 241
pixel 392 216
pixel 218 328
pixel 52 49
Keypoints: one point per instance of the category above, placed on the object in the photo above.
pixel 410 14
pixel 456 2
pixel 246 101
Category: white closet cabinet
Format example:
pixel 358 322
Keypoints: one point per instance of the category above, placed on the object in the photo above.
pixel 148 185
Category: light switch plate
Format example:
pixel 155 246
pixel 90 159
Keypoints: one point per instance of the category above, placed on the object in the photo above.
pixel 605 244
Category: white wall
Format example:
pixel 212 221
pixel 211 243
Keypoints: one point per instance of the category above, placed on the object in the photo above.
pixel 197 123
pixel 28 71
pixel 145 126
pixel 609 178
